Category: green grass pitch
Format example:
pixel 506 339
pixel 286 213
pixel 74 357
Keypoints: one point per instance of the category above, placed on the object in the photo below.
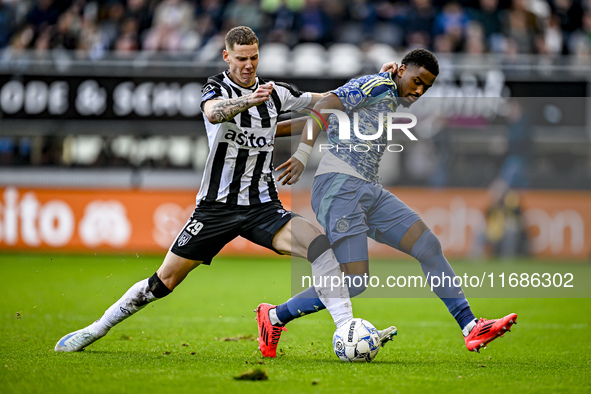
pixel 178 344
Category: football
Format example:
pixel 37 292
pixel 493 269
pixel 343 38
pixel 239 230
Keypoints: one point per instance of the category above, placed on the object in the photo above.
pixel 356 341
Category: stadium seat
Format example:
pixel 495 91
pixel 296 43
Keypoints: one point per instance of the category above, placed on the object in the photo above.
pixel 274 59
pixel 309 59
pixel 345 60
pixel 86 149
pixel 378 54
pixel 156 148
pixel 179 151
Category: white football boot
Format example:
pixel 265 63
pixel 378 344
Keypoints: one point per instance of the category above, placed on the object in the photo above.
pixel 77 340
pixel 387 334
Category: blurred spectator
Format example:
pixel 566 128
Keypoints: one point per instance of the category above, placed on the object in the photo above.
pixel 363 12
pixel 44 41
pixel 205 27
pixel 44 13
pixel 521 28
pixel 139 11
pixel 90 41
pixel 489 17
pixel 512 27
pixel 244 13
pixel 452 21
pixel 171 28
pixel 552 42
pixel 475 39
pixel 389 10
pixel 580 40
pixel 282 16
pixel 110 16
pixel 7 23
pixel 519 147
pixel 22 39
pixel 419 24
pixel 67 30
pixel 568 14
pixel 214 10
pixel 315 24
pixel 336 11
pixel 126 45
pixel 505 233
pixel 443 44
pixel 176 14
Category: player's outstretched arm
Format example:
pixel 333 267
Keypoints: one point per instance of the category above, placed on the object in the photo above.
pixel 294 167
pixel 218 111
pixel 287 128
pixel 290 127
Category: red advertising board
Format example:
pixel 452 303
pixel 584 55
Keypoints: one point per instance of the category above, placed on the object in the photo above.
pixel 148 221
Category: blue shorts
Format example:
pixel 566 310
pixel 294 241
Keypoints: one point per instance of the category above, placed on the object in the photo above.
pixel 348 207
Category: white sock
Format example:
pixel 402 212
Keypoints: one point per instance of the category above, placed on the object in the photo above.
pixel 466 330
pixel 136 298
pixel 336 300
pixel 273 317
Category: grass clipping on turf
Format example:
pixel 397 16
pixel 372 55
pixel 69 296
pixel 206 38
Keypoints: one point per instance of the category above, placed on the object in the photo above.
pixel 253 374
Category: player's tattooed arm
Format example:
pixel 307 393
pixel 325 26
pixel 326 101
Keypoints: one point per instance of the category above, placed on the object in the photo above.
pixel 218 111
pixel 224 110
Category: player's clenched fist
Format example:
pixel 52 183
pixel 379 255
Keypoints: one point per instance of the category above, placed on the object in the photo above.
pixel 262 93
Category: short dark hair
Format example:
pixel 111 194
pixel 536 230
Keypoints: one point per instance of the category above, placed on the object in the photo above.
pixel 240 35
pixel 422 58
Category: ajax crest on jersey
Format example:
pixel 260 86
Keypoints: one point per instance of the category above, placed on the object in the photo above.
pixel 356 341
pixel 342 225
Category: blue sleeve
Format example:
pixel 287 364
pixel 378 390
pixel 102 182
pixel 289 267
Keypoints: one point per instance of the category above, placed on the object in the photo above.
pixel 357 92
pixel 350 95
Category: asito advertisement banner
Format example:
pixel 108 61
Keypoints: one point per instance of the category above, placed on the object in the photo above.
pixel 557 222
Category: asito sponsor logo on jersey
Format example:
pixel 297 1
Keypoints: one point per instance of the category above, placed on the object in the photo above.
pixel 248 139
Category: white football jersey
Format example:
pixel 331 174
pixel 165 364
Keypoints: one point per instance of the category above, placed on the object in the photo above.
pixel 239 167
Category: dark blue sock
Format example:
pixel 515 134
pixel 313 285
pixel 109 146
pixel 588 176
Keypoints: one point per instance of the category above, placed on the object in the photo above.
pixel 464 317
pixel 308 302
pixel 428 251
pixel 301 304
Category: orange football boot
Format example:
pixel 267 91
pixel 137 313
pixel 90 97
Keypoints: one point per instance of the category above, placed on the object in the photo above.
pixel 268 333
pixel 488 330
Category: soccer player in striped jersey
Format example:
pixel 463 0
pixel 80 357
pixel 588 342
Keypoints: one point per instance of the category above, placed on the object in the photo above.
pixel 237 197
pixel 351 205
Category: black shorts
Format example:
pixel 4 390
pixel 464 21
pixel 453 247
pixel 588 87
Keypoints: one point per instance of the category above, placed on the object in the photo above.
pixel 213 225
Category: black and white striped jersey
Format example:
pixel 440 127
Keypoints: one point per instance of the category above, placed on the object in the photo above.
pixel 239 167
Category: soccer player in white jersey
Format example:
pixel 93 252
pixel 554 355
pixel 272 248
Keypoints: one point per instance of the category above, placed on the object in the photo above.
pixel 237 197
pixel 351 205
